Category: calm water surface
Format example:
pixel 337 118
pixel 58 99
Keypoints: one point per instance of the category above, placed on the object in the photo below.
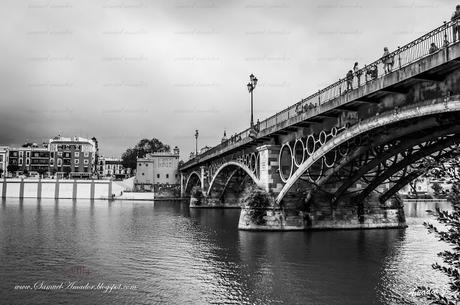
pixel 166 253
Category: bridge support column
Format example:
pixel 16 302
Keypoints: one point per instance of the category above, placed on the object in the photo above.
pixel 268 168
pixel 274 217
pixel 199 198
pixel 182 190
pixel 204 179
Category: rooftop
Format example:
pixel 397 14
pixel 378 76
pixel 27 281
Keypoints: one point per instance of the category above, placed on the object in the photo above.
pixel 150 157
pixel 60 139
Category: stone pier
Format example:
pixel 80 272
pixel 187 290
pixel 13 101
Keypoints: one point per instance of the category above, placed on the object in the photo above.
pixel 320 216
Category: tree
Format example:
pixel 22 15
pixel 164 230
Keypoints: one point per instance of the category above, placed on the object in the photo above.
pixel 256 200
pixel 144 147
pixel 451 235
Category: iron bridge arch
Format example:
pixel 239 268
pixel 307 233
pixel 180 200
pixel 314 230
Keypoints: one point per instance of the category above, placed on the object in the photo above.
pixel 372 150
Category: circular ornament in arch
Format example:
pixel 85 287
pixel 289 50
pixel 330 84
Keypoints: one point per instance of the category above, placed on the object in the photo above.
pixel 285 162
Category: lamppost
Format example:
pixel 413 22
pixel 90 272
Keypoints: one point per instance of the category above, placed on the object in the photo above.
pixel 251 86
pixel 196 142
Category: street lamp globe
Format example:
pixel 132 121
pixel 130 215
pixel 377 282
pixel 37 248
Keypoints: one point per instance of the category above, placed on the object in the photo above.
pixel 250 87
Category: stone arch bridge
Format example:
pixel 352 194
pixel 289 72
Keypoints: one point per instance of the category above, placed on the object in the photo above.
pixel 338 158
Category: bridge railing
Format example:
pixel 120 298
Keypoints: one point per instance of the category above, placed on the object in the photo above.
pixel 401 57
pixel 417 49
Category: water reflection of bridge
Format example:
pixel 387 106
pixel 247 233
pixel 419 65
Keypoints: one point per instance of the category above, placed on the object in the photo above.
pixel 337 158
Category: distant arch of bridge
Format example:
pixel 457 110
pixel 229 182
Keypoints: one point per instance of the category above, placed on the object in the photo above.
pixel 234 166
pixel 194 179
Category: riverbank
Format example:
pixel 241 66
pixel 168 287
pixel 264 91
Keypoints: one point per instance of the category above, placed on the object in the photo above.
pixel 75 189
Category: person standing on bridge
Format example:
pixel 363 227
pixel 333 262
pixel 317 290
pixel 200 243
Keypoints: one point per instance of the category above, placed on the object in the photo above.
pixel 387 60
pixel 349 78
pixel 433 48
pixel 455 18
pixel 358 73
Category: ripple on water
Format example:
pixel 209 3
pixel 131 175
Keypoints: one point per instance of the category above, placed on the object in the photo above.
pixel 179 256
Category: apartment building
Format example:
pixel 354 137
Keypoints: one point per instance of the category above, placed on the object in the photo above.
pixel 73 157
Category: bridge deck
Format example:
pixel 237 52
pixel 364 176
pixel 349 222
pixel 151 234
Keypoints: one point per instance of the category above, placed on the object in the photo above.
pixel 413 64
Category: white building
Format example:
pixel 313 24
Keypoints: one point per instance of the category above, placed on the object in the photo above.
pixel 111 167
pixel 156 169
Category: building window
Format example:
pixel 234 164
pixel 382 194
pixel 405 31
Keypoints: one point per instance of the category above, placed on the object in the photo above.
pixel 86 154
pixel 77 154
pixel 59 162
pixel 59 153
pixel 142 174
pixel 158 176
pixel 167 176
pixel 76 161
pixel 27 154
pixel 27 161
pixel 139 164
pixel 146 165
pixel 20 161
pixel 85 161
pixel 76 169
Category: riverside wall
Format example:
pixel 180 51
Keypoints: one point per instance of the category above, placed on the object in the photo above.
pixel 59 189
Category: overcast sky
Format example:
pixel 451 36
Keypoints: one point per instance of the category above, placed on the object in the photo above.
pixel 125 70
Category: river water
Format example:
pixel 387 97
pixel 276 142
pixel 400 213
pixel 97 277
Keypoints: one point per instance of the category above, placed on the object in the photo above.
pixel 64 252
